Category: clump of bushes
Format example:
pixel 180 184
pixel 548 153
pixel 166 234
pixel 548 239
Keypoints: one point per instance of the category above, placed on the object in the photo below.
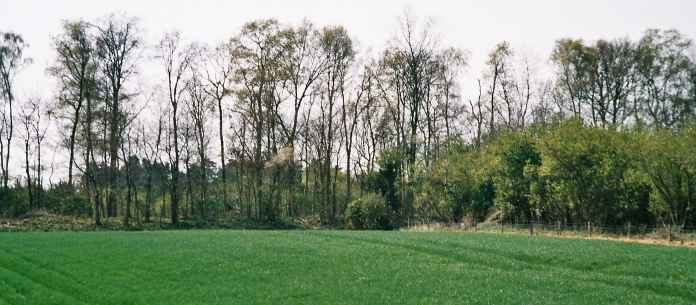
pixel 13 202
pixel 63 199
pixel 368 212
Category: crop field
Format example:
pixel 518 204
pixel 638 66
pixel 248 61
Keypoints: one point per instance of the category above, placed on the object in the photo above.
pixel 337 267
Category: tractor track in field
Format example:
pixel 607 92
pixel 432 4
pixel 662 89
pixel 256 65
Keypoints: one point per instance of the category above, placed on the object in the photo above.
pixel 34 280
pixel 684 293
pixel 376 267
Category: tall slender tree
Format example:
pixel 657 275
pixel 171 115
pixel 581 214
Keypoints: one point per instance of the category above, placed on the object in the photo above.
pixel 218 74
pixel 12 59
pixel 176 58
pixel 74 70
pixel 117 46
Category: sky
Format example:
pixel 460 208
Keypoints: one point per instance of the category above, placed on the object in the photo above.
pixel 531 26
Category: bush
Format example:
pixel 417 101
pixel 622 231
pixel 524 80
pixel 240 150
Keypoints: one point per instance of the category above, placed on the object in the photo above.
pixel 386 179
pixel 592 173
pixel 668 162
pixel 13 202
pixel 368 212
pixel 516 174
pixel 64 200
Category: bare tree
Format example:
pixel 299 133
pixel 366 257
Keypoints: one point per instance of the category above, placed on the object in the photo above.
pixel 129 160
pixel 117 44
pixel 476 114
pixel 515 94
pixel 88 134
pixel 33 120
pixel 199 105
pixel 218 74
pixel 337 47
pixel 152 147
pixel 353 104
pixel 452 62
pixel 304 65
pixel 176 59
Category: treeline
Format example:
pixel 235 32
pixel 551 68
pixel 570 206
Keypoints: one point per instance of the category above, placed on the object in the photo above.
pixel 292 122
pixel 568 174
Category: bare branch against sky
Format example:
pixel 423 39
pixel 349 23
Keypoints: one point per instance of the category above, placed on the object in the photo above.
pixel 474 25
pixel 532 27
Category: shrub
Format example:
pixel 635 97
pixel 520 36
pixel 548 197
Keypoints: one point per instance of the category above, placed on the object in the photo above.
pixel 668 160
pixel 591 172
pixel 13 202
pixel 515 174
pixel 386 181
pixel 63 199
pixel 368 212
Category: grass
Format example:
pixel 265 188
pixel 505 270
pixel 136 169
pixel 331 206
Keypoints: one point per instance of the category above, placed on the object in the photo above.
pixel 336 267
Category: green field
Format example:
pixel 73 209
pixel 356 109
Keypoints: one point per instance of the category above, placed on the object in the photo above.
pixel 337 267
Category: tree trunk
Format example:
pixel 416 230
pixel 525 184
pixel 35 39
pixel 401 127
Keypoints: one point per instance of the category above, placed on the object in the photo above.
pixel 175 170
pixel 26 164
pixel 114 138
pixel 148 195
pixel 73 133
pixel 129 194
pixel 6 176
pixel 222 155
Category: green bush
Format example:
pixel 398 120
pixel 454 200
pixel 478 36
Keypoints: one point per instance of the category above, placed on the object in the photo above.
pixel 592 173
pixel 13 202
pixel 668 161
pixel 386 180
pixel 64 200
pixel 368 212
pixel 458 187
pixel 516 174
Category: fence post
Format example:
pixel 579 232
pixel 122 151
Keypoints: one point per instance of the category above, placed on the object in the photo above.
pixel 669 234
pixel 589 229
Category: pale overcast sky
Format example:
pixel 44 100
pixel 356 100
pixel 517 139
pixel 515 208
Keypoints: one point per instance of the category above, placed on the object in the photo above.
pixel 530 26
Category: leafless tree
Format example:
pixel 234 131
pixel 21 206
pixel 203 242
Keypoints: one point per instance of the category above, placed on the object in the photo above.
pixel 353 104
pixel 35 126
pixel 176 59
pixel 117 45
pixel 219 71
pixel 199 106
